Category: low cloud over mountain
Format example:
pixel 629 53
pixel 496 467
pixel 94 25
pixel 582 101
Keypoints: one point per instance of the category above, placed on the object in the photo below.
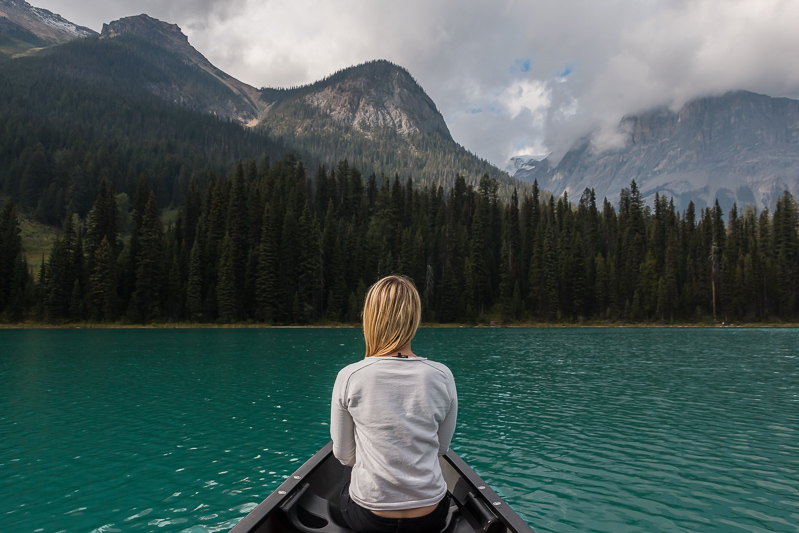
pixel 512 78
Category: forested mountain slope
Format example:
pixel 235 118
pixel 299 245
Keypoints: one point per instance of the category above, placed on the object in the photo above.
pixel 85 110
pixel 196 83
pixel 139 99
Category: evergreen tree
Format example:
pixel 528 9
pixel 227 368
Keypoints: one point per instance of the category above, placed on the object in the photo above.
pixel 549 294
pixel 10 252
pixel 194 286
pixel 506 282
pixel 310 282
pixel 480 281
pixel 786 253
pixel 536 275
pixel 333 267
pixel 104 283
pixel 192 210
pixel 150 263
pixel 61 275
pixel 289 260
pixel 237 224
pixel 34 179
pixel 21 293
pixel 267 292
pixel 102 224
pixel 226 289
pixel 601 287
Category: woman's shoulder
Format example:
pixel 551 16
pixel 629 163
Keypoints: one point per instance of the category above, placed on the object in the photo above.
pixel 354 367
pixel 439 367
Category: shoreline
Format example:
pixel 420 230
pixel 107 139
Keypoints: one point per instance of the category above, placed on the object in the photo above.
pixel 429 325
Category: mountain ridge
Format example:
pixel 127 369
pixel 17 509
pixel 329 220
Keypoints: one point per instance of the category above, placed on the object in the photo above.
pixel 139 60
pixel 374 114
pixel 373 95
pixel 170 36
pixel 370 95
pixel 24 27
pixel 739 147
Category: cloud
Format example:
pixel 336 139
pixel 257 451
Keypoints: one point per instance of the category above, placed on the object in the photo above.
pixel 531 95
pixel 683 50
pixel 543 74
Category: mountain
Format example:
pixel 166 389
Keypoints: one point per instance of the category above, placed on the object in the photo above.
pixel 524 163
pixel 739 147
pixel 367 97
pixel 138 99
pixel 380 119
pixel 242 104
pixel 115 108
pixel 374 115
pixel 24 27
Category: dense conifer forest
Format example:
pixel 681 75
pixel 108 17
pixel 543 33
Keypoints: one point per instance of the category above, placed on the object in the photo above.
pixel 269 243
pixel 75 115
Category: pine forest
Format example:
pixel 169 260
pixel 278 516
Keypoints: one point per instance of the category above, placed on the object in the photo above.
pixel 271 242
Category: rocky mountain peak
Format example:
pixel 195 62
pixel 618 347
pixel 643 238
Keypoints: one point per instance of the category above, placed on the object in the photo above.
pixel 148 28
pixel 370 96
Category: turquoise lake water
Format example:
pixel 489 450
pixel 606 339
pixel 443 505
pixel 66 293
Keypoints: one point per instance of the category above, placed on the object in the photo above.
pixel 605 430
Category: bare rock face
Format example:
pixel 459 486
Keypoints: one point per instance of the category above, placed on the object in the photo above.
pixel 372 96
pixel 153 30
pixel 395 102
pixel 740 147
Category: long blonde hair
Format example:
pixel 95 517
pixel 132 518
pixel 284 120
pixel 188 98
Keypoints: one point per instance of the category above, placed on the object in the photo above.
pixel 391 315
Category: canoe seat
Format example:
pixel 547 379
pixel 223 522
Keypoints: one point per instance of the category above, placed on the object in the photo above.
pixel 308 513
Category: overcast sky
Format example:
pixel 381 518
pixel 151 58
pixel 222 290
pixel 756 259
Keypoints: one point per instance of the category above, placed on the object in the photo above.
pixel 510 77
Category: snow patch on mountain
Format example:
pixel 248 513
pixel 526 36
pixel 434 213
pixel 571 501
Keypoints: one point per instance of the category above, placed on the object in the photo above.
pixel 524 163
pixel 59 23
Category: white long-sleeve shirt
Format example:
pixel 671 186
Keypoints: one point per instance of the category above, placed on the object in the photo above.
pixel 390 419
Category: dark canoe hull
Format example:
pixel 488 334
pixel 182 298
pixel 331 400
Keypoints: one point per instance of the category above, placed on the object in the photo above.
pixel 307 502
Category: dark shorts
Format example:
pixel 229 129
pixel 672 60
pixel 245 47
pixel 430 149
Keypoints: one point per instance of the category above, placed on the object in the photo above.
pixel 363 520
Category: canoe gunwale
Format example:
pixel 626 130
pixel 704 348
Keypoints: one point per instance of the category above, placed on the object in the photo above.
pixel 511 519
pixel 255 518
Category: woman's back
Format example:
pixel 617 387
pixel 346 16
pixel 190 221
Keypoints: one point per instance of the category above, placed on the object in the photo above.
pixel 403 411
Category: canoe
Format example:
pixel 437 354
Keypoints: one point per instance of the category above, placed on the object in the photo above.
pixel 307 502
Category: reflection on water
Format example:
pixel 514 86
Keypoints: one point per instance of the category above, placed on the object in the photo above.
pixel 579 430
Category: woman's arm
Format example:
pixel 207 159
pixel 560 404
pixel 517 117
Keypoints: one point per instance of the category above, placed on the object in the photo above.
pixel 447 427
pixel 342 427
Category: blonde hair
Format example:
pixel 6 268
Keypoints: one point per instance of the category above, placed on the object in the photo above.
pixel 391 315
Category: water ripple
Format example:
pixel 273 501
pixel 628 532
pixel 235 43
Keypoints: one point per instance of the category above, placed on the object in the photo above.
pixel 579 430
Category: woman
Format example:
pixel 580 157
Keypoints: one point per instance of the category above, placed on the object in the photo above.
pixel 392 415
